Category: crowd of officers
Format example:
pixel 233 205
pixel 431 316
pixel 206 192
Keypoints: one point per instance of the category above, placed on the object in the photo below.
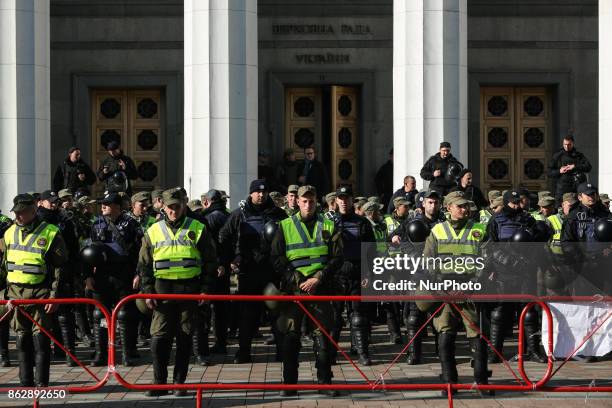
pixel 298 243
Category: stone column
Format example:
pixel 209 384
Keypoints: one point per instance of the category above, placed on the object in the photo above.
pixel 24 99
pixel 605 88
pixel 220 96
pixel 429 82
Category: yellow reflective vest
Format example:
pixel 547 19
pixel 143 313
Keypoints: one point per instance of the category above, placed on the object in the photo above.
pixel 307 253
pixel 176 256
pixel 25 258
pixel 466 243
pixel 391 223
pixel 556 222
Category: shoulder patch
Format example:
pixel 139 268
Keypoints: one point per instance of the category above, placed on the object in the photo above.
pixel 476 234
pixel 41 242
pixel 191 235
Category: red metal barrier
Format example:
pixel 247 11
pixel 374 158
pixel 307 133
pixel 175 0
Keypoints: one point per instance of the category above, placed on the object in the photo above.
pixel 14 307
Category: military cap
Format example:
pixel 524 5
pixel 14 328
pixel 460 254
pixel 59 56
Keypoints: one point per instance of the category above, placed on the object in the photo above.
pixel 493 194
pixel 497 201
pixel 49 195
pixel 571 198
pixel 371 206
pixel 432 194
pixel 156 194
pixel 587 188
pixel 374 199
pixel 512 196
pixel 330 197
pixel 604 198
pixel 22 202
pixel 84 200
pixel 452 196
pixel 64 193
pixel 546 201
pixel 544 193
pixel 112 198
pixel 359 204
pixel 307 189
pixel 275 195
pixel 397 201
pixel 173 196
pixel 293 188
pixel 141 196
pixel 34 194
pixel 212 195
pixel 224 195
pixel 344 191
pixel 195 205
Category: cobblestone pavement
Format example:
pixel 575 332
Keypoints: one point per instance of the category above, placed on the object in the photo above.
pixel 265 369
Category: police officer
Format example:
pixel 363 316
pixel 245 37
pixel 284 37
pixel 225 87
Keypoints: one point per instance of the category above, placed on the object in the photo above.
pixel 119 237
pixel 569 167
pixel 503 226
pixel 33 253
pixel 291 207
pixel 355 229
pixel 306 253
pixel 178 256
pixel 442 170
pixel 49 212
pixel 457 237
pixel 215 214
pixel 413 317
pixel 117 169
pixel 241 240
pixel 5 361
pixel 140 210
pixel 399 215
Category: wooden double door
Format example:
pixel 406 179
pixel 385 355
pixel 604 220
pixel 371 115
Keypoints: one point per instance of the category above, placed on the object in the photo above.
pixel 326 117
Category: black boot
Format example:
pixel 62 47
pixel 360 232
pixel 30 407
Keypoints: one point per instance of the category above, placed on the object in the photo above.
pixel 42 359
pixel 25 351
pixel 321 347
pixel 67 328
pixel 101 341
pixel 5 360
pixel 395 334
pixel 446 345
pixel 126 358
pixel 415 349
pixel 478 347
pixel 534 347
pixel 161 348
pixel 291 351
pixel 335 334
pixel 497 335
pixel 82 323
pixel 181 361
pixel 200 346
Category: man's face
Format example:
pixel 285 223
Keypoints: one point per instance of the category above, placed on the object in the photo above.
pixel 332 206
pixel 67 203
pixel 546 211
pixel 307 204
pixel 374 215
pixel 24 217
pixel 310 154
pixel 514 206
pixel 174 211
pixel 588 200
pixel 410 184
pixel 566 206
pixel 431 207
pixel 75 156
pixel 568 145
pixel 291 199
pixel 139 208
pixel 466 180
pixel 205 202
pixel 158 204
pixel 458 212
pixel 444 152
pixel 258 197
pixel 402 210
pixel 110 210
pixel 525 203
pixel 49 205
pixel 114 152
pixel 344 203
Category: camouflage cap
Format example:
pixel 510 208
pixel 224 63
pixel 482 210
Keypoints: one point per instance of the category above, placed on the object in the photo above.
pixel 22 202
pixel 64 193
pixel 397 201
pixel 452 196
pixel 141 196
pixel 544 193
pixel 371 206
pixel 307 189
pixel 275 195
pixel 493 194
pixel 546 201
pixel 293 188
pixel 497 202
pixel 361 198
pixel 330 197
pixel 604 198
pixel 571 198
pixel 84 200
pixel 157 194
pixel 172 196
pixel 195 205
pixel 374 199
pixel 359 204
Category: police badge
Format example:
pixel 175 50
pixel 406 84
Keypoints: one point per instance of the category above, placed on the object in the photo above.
pixel 191 235
pixel 41 242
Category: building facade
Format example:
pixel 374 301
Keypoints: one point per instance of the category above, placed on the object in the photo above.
pixel 194 89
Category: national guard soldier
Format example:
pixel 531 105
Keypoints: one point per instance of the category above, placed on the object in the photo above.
pixel 177 256
pixel 244 248
pixel 355 230
pixel 400 214
pixel 404 236
pixel 306 253
pixel 33 253
pixel 116 239
pixel 487 213
pixel 332 207
pixel 140 210
pixel 5 361
pixel 157 203
pixel 291 207
pixel 605 200
pixel 457 237
pixel 49 212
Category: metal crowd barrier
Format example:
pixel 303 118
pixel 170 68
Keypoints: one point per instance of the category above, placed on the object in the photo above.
pixel 525 384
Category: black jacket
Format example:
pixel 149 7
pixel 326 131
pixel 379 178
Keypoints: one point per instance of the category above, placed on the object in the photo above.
pixel 580 219
pixel 384 181
pixel 216 216
pixel 316 175
pixel 67 226
pixel 565 182
pixel 434 163
pixel 287 173
pixel 67 176
pixel 474 194
pixel 410 196
pixel 113 165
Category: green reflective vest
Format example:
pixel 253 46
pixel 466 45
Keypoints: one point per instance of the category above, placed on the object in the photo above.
pixel 25 259
pixel 453 245
pixel 537 216
pixel 556 222
pixel 485 216
pixel 4 218
pixel 380 235
pixel 391 223
pixel 176 256
pixel 307 254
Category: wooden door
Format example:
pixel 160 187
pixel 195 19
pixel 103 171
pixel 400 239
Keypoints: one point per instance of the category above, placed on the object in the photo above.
pixel 344 133
pixel 302 119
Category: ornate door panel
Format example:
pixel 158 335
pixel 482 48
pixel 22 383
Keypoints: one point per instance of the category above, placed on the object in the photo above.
pixel 302 119
pixel 514 137
pixel 344 121
pixel 134 119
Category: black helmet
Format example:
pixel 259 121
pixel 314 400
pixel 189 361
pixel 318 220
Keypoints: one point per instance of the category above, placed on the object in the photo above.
pixel 523 235
pixel 603 230
pixel 542 232
pixel 418 231
pixel 94 254
pixel 270 230
pixel 453 171
pixel 117 182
